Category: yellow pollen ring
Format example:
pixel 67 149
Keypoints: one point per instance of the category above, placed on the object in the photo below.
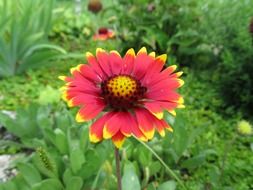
pixel 122 86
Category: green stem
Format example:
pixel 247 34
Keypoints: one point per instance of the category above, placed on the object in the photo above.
pixel 170 171
pixel 117 158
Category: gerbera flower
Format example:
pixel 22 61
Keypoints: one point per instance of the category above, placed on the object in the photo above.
pixel 104 34
pixel 124 95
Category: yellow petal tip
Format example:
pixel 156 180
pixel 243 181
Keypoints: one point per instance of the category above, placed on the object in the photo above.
pixel 142 50
pixel 162 57
pixel 116 52
pixel 88 54
pixel 172 112
pixel 99 50
pixel 152 54
pixel 62 77
pixel 149 134
pixel 130 52
pixel 106 133
pixel 181 82
pixel 181 106
pixel 118 143
pixel 180 100
pixel 79 118
pixel 93 138
pixel 162 133
pixel 158 115
pixel 179 74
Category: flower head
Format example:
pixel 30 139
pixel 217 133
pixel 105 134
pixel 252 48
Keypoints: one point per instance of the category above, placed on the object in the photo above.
pixel 95 6
pixel 244 128
pixel 124 95
pixel 104 34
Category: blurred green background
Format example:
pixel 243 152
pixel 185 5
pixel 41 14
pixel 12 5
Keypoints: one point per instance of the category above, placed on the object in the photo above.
pixel 210 40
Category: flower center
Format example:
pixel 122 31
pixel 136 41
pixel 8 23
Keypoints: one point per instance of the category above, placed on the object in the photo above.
pixel 103 31
pixel 122 92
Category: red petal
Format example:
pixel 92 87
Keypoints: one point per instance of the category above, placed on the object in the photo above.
pixel 135 129
pixel 94 65
pixel 126 124
pixel 84 99
pixel 165 74
pixel 88 73
pixel 115 62
pixel 165 84
pixel 118 139
pixel 166 95
pixel 142 62
pixel 154 68
pixel 89 111
pixel 144 119
pixel 96 129
pixel 103 60
pixel 128 62
pixel 113 125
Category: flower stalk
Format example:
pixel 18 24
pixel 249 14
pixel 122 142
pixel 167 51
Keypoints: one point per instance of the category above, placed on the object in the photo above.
pixel 117 159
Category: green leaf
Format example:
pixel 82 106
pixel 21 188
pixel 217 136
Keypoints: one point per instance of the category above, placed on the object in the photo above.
pixel 61 141
pixel 91 165
pixel 143 155
pixel 155 167
pixel 48 184
pixel 168 185
pixel 67 176
pixel 130 179
pixel 76 159
pixel 74 183
pixel 30 173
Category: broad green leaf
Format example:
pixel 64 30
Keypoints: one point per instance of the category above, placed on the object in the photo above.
pixel 48 184
pixel 91 165
pixel 61 141
pixel 74 183
pixel 130 179
pixel 30 173
pixel 76 159
pixel 168 185
pixel 67 175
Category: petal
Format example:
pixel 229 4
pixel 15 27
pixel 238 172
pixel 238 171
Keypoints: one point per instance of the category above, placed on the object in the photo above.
pixel 154 68
pixel 126 121
pixel 161 125
pixel 89 111
pixel 113 125
pixel 118 139
pixel 115 62
pixel 96 129
pixel 128 62
pixel 89 73
pixel 84 99
pixel 144 119
pixel 135 129
pixel 155 109
pixel 165 95
pixel 103 60
pixel 92 61
pixel 141 63
pixel 165 74
pixel 169 83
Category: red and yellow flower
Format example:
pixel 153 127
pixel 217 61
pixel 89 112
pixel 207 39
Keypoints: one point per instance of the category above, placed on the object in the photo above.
pixel 104 34
pixel 126 96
